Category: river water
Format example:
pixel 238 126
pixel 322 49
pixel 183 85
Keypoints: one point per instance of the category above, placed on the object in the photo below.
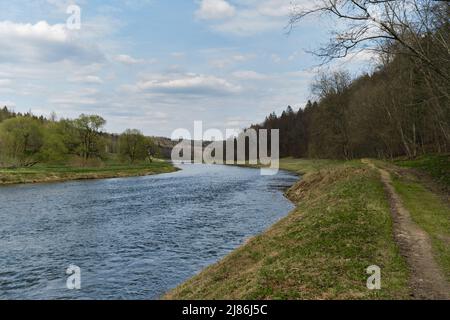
pixel 132 238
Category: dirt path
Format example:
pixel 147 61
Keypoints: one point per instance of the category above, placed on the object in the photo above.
pixel 427 280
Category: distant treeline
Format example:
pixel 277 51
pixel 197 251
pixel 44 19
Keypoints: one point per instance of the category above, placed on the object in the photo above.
pixel 26 140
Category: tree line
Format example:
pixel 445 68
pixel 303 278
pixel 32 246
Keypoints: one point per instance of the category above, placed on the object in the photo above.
pixel 402 108
pixel 26 140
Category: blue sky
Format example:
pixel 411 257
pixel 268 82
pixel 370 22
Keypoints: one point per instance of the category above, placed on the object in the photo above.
pixel 159 65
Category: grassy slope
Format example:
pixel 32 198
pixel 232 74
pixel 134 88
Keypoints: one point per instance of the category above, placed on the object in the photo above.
pixel 47 173
pixel 437 166
pixel 429 210
pixel 341 226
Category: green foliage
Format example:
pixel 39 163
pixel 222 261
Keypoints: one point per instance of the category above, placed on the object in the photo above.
pixel 89 127
pixel 21 139
pixel 437 166
pixel 53 148
pixel 61 172
pixel 5 114
pixel 26 140
pixel 133 146
pixel 431 213
pixel 92 123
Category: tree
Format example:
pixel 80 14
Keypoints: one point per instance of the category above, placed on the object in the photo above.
pixel 411 88
pixel 20 141
pixel 385 26
pixel 53 148
pixel 89 127
pixel 333 92
pixel 133 145
pixel 5 114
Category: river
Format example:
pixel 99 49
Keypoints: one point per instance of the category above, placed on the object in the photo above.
pixel 132 238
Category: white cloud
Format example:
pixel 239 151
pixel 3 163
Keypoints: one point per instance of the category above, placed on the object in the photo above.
pixel 8 104
pixel 42 42
pixel 39 31
pixel 249 75
pixel 189 84
pixel 215 9
pixel 73 99
pixel 5 82
pixel 275 58
pixel 160 115
pixel 247 23
pixel 178 54
pixel 276 8
pixel 255 16
pixel 88 79
pixel 229 60
pixel 236 122
pixel 364 56
pixel 126 59
pixel 295 55
pixel 359 61
pixel 61 5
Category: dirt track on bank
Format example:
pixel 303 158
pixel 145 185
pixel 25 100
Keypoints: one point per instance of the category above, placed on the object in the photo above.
pixel 427 280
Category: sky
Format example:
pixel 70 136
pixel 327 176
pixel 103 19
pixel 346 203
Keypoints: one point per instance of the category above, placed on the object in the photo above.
pixel 158 65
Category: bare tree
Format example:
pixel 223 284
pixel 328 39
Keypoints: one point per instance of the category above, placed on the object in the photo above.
pixel 386 26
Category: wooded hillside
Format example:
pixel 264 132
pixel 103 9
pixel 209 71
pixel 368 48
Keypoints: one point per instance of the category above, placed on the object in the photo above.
pixel 402 108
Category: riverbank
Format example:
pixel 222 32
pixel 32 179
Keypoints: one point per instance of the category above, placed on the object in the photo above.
pixel 60 173
pixel 342 224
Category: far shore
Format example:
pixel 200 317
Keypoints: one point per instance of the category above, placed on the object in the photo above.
pixel 62 173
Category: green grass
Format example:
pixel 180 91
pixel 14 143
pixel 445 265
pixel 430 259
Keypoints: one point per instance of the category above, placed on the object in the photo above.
pixel 431 213
pixel 341 226
pixel 303 166
pixel 437 166
pixel 54 173
pixel 300 166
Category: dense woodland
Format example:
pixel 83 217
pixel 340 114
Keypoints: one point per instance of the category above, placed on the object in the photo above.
pixel 401 109
pixel 26 140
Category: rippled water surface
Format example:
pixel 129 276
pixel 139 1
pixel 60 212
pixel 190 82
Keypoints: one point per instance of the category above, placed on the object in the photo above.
pixel 133 238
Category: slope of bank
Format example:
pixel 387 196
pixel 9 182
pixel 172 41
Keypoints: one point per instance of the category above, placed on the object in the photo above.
pixel 44 173
pixel 321 250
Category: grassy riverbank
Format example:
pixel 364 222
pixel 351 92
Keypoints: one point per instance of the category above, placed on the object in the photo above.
pixel 342 224
pixel 435 166
pixel 321 250
pixel 57 173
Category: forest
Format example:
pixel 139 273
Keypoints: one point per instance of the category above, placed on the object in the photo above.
pixel 26 140
pixel 401 108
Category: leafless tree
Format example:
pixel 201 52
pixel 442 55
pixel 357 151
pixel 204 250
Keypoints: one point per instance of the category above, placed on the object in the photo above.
pixel 385 26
